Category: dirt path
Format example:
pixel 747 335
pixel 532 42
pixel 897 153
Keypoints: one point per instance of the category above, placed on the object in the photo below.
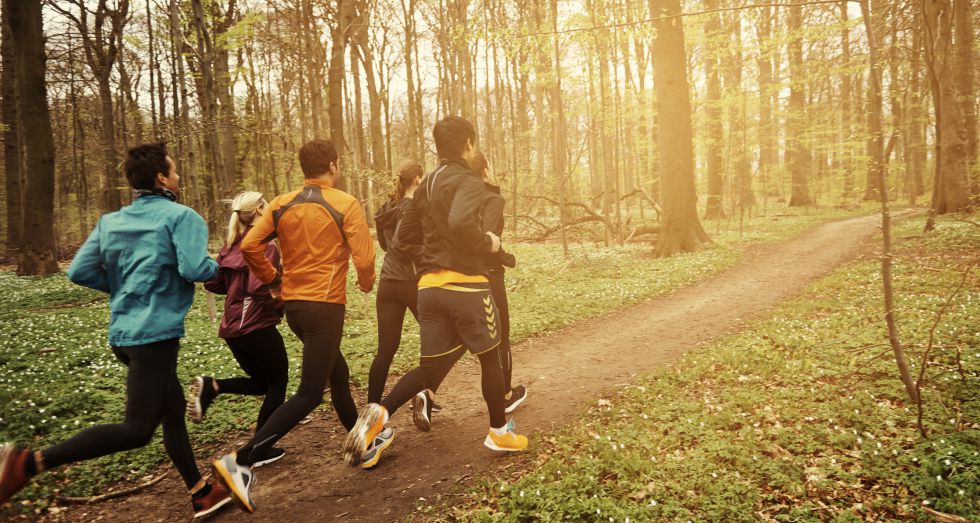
pixel 564 371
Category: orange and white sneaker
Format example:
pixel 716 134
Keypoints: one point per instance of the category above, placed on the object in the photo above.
pixel 369 424
pixel 508 441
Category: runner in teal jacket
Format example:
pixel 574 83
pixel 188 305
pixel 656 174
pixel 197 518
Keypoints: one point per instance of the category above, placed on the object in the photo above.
pixel 147 256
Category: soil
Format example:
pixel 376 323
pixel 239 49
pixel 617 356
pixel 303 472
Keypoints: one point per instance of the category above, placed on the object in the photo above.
pixel 564 371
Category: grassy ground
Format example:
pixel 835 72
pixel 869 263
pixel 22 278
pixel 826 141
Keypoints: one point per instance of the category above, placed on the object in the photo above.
pixel 802 417
pixel 57 375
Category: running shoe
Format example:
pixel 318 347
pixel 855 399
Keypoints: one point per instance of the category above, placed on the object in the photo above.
pixel 422 410
pixel 266 456
pixel 212 501
pixel 436 408
pixel 509 441
pixel 369 424
pixel 200 394
pixel 373 453
pixel 517 396
pixel 13 475
pixel 236 479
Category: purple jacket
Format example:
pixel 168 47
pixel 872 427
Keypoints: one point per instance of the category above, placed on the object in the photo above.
pixel 248 305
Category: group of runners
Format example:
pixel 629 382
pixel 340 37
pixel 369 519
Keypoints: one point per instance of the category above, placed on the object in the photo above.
pixel 444 262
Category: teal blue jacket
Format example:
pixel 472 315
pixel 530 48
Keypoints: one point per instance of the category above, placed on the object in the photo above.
pixel 147 256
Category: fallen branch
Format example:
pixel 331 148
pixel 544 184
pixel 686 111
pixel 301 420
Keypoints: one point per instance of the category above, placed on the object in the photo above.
pixel 112 495
pixel 944 517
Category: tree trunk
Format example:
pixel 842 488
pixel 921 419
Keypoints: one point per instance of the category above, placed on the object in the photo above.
pixel 966 66
pixel 767 149
pixel 846 150
pixel 797 151
pixel 715 143
pixel 335 75
pixel 876 146
pixel 38 254
pixel 682 231
pixel 12 150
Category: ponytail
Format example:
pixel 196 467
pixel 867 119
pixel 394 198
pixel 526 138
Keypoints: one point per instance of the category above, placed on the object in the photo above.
pixel 244 209
pixel 405 175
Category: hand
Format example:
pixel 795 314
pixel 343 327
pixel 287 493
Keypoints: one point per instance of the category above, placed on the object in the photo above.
pixel 276 292
pixel 365 287
pixel 495 242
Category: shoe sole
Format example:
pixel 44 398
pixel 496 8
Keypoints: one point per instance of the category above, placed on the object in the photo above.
pixel 194 391
pixel 377 455
pixel 267 461
pixel 513 406
pixel 222 475
pixel 419 412
pixel 356 440
pixel 488 443
pixel 213 509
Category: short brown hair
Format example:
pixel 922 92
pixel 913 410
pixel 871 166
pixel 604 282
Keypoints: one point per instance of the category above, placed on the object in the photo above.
pixel 316 156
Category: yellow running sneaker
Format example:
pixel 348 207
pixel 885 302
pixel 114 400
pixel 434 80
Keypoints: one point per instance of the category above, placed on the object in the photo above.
pixel 509 441
pixel 369 424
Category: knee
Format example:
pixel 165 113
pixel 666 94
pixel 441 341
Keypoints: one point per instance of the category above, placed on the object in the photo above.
pixel 140 435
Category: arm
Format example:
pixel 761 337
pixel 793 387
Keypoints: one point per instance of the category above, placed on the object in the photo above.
pixel 493 215
pixel 253 247
pixel 464 215
pixel 361 245
pixel 217 285
pixel 190 239
pixel 381 234
pixel 86 268
pixel 255 287
pixel 409 230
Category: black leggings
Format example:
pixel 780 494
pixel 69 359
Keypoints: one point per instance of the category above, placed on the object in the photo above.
pixel 153 396
pixel 262 355
pixel 394 297
pixel 432 370
pixel 320 326
pixel 499 292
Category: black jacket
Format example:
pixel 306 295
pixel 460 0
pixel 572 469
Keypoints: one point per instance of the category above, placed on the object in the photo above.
pixel 446 217
pixel 493 221
pixel 401 260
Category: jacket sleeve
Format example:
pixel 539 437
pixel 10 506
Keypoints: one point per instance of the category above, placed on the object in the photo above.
pixel 86 268
pixel 381 234
pixel 253 247
pixel 360 242
pixel 464 214
pixel 493 215
pixel 190 239
pixel 256 288
pixel 217 284
pixel 409 229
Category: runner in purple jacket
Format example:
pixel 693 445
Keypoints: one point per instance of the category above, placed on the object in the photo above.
pixel 248 325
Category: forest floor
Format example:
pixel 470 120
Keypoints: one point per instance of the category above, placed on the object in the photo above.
pixel 565 371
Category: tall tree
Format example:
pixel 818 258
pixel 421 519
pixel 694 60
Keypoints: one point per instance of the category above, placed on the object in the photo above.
pixel 966 66
pixel 796 149
pixel 100 27
pixel 681 230
pixel 38 251
pixel 12 156
pixel 715 128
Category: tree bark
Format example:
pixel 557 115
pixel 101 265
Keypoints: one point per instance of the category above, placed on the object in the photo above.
pixel 38 253
pixel 12 149
pixel 966 66
pixel 682 231
pixel 715 142
pixel 797 151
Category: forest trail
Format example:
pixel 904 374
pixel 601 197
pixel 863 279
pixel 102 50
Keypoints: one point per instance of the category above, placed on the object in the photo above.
pixel 564 371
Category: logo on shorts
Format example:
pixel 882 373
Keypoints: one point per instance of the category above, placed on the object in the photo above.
pixel 491 316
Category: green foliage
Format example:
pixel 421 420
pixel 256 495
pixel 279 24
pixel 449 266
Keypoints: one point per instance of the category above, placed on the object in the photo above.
pixel 800 418
pixel 58 376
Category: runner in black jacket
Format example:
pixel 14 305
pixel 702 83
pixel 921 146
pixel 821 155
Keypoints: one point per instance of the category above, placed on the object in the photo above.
pixel 456 309
pixel 493 221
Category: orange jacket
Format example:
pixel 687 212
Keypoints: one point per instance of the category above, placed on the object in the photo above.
pixel 315 249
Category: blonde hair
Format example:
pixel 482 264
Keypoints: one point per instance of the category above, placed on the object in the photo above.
pixel 244 209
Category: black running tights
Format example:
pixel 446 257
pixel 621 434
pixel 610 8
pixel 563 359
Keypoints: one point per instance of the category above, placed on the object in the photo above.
pixel 153 396
pixel 320 326
pixel 432 370
pixel 262 355
pixel 394 298
pixel 499 292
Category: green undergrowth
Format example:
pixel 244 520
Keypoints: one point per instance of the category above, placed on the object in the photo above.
pixel 802 417
pixel 57 375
